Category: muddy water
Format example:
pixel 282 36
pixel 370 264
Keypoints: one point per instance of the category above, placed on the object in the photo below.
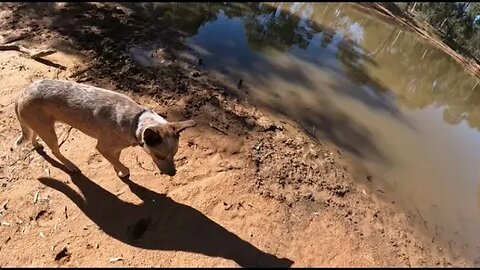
pixel 405 110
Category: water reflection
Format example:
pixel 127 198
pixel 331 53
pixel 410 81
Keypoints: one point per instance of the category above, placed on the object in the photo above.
pixel 255 34
pixel 273 29
pixel 373 89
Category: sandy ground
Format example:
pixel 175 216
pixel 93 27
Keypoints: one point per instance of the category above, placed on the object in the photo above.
pixel 251 189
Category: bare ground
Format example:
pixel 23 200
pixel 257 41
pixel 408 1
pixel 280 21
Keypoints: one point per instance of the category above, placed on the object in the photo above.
pixel 251 189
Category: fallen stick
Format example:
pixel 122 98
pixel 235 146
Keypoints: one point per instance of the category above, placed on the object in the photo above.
pixel 35 55
pixel 79 72
pixel 49 63
pixel 219 129
pixel 66 138
pixel 12 38
pixel 32 54
pixel 141 166
pixel 475 85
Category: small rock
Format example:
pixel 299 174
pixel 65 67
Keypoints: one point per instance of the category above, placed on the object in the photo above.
pixel 35 197
pixel 267 124
pixel 250 122
pixel 40 214
pixel 4 205
pixel 227 206
pixel 115 259
pixel 62 254
pixel 18 220
pixel 195 74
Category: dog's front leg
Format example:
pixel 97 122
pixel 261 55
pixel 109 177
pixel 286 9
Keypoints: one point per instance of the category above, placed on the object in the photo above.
pixel 112 154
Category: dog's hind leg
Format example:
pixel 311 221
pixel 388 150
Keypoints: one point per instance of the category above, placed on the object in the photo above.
pixel 27 133
pixel 47 132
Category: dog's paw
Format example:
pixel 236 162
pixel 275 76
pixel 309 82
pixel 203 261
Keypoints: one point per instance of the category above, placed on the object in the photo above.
pixel 38 148
pixel 124 174
pixel 124 177
pixel 37 145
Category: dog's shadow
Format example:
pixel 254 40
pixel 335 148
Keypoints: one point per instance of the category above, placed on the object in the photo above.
pixel 159 222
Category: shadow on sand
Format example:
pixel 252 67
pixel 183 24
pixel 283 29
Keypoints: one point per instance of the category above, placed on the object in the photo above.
pixel 159 222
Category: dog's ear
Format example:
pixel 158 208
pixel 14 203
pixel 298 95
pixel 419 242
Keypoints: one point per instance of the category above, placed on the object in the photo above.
pixel 181 126
pixel 151 137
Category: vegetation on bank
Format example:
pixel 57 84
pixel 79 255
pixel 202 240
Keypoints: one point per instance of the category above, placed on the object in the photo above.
pixel 457 24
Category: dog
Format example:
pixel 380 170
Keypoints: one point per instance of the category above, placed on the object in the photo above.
pixel 115 120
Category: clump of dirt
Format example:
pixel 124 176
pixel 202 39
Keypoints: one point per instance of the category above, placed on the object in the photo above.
pixel 62 255
pixel 290 171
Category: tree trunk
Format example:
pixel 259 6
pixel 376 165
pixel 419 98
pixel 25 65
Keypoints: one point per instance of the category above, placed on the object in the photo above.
pixel 443 23
pixel 413 8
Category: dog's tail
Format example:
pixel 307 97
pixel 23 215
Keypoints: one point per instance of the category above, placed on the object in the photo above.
pixel 27 132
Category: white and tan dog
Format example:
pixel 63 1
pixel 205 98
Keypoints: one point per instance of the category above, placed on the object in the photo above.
pixel 115 120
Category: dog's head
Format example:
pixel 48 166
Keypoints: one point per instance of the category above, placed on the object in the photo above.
pixel 161 143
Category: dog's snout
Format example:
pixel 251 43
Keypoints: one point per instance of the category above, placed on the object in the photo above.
pixel 167 168
pixel 171 173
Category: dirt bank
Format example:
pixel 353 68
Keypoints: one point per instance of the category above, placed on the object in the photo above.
pixel 250 190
